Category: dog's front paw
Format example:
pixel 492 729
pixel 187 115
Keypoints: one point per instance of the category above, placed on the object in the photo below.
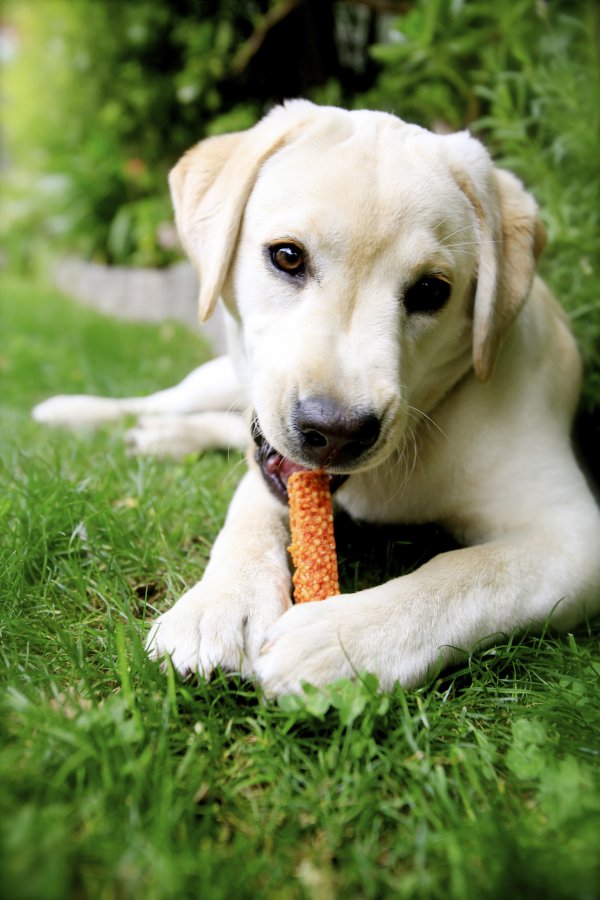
pixel 315 643
pixel 178 436
pixel 215 625
pixel 163 436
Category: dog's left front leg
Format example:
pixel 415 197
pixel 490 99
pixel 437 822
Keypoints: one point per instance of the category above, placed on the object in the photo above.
pixel 405 630
pixel 222 621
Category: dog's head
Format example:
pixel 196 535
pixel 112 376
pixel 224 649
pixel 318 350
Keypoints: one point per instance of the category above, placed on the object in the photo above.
pixel 369 263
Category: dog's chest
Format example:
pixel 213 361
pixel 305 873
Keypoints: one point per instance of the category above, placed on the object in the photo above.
pixel 392 498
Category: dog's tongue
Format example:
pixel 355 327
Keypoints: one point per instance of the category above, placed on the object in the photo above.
pixel 280 466
pixel 276 469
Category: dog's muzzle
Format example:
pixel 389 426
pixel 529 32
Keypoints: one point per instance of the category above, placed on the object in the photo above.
pixel 276 469
pixel 326 436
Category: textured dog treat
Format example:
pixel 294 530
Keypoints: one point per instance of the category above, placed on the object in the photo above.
pixel 313 542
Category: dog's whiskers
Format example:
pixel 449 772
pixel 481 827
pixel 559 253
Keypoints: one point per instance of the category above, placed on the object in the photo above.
pixel 445 239
pixel 426 419
pixel 406 456
pixel 399 462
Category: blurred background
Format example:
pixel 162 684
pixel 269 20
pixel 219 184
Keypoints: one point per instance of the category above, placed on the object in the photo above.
pixel 100 97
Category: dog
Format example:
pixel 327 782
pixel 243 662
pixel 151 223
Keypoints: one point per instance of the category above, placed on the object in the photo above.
pixel 386 326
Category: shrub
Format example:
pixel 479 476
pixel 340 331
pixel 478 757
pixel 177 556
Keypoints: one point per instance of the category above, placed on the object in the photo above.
pixel 102 98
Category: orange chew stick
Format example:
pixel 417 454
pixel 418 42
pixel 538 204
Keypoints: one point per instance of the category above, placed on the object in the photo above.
pixel 313 542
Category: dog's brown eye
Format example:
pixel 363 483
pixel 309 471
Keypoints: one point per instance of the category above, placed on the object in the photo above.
pixel 428 295
pixel 288 258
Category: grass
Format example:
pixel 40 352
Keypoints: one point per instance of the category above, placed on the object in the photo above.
pixel 121 782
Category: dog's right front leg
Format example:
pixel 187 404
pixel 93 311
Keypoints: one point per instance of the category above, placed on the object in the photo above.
pixel 212 387
pixel 222 620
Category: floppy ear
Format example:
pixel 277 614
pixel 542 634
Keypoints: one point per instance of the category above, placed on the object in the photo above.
pixel 511 238
pixel 210 186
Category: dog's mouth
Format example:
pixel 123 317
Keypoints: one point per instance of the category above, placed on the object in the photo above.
pixel 276 469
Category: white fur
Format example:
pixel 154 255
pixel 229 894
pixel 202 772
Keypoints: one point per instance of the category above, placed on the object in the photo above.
pixel 476 401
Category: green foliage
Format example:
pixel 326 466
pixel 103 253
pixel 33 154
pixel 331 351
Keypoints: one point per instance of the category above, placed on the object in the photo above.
pixel 102 98
pixel 441 57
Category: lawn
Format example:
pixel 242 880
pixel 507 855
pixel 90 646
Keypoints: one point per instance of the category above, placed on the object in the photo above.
pixel 123 782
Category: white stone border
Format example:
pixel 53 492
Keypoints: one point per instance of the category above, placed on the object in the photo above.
pixel 149 295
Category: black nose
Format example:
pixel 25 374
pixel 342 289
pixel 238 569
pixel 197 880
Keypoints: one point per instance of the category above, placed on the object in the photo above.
pixel 334 435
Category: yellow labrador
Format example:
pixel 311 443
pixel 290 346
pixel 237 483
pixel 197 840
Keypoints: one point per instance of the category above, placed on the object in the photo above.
pixel 386 326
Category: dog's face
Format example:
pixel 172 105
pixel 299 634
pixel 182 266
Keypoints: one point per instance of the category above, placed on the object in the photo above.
pixel 362 251
pixel 354 281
